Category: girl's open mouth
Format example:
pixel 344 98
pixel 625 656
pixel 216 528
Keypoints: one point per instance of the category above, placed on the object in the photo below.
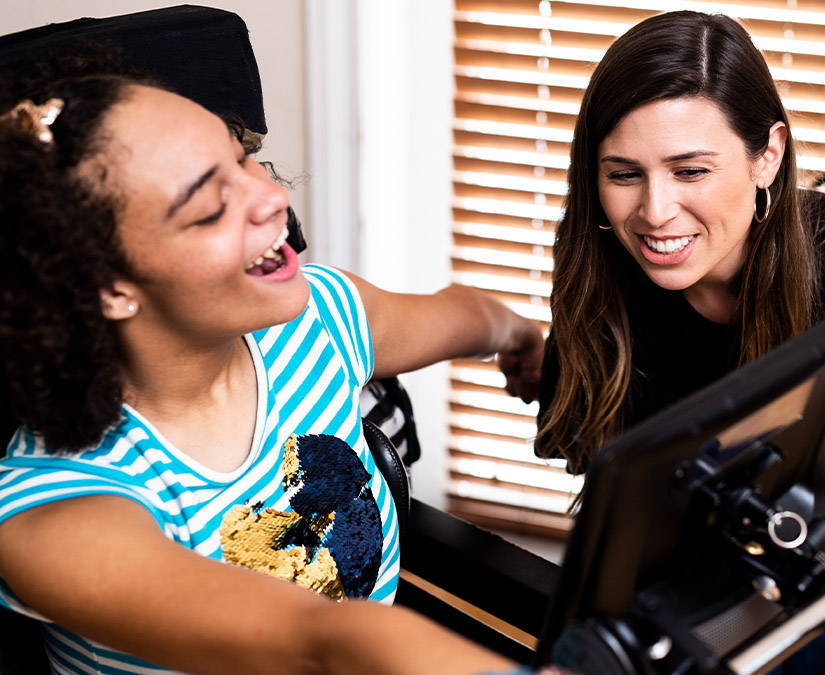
pixel 272 259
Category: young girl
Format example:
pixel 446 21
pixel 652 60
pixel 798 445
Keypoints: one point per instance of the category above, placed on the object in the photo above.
pixel 190 478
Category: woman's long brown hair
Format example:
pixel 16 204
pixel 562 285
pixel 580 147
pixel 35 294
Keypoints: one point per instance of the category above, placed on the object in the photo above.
pixel 668 56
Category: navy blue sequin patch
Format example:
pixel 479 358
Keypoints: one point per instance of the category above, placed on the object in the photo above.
pixel 335 481
pixel 352 543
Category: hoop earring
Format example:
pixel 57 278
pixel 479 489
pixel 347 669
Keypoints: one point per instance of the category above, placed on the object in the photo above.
pixel 767 206
pixel 605 227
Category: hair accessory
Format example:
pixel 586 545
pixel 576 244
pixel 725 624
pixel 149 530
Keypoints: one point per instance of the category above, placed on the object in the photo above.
pixel 605 227
pixel 35 119
pixel 767 206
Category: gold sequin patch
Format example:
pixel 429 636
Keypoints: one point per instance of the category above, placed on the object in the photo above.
pixel 291 463
pixel 255 540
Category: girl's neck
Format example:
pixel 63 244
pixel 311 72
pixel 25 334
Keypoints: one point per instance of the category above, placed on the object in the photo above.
pixel 166 380
pixel 203 401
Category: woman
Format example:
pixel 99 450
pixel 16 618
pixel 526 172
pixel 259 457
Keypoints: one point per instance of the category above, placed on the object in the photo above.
pixel 682 253
pixel 191 451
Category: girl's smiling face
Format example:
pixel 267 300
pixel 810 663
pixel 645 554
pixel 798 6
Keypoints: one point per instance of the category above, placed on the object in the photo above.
pixel 678 188
pixel 203 226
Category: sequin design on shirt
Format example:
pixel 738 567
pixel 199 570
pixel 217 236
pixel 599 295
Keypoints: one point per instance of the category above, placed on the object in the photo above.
pixel 331 540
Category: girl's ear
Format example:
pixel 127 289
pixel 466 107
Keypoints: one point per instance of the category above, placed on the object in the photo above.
pixel 119 302
pixel 767 165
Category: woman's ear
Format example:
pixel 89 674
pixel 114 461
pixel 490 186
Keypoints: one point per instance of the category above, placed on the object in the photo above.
pixel 768 163
pixel 119 302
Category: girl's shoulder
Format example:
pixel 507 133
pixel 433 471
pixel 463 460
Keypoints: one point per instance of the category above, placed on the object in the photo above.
pixel 32 474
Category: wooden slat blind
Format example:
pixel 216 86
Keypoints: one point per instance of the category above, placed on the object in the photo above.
pixel 521 67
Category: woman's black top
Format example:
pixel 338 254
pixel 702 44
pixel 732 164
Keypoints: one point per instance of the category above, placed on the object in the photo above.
pixel 676 351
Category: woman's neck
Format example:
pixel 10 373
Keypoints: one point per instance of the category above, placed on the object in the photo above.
pixel 714 301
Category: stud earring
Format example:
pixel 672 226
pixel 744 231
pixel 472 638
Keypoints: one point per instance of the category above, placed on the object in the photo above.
pixel 132 308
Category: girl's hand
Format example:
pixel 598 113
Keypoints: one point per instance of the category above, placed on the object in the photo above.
pixel 521 361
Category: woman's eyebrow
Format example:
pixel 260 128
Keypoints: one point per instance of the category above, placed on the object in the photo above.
pixel 693 154
pixel 186 194
pixel 616 159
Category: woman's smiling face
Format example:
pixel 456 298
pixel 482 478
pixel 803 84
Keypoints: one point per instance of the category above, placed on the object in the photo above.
pixel 198 215
pixel 678 188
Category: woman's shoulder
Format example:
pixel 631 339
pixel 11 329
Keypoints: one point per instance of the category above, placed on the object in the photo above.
pixel 812 204
pixel 813 212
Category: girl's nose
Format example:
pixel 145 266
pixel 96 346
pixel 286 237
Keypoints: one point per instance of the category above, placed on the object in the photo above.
pixel 269 200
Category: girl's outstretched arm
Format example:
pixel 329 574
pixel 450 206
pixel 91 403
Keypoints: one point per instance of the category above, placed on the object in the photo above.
pixel 411 331
pixel 100 566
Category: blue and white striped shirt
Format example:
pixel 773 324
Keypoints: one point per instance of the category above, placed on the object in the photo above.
pixel 308 462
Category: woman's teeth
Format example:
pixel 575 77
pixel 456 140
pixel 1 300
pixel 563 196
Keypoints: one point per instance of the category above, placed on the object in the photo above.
pixel 668 245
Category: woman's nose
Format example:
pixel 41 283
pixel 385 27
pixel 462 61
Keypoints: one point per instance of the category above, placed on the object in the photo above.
pixel 659 205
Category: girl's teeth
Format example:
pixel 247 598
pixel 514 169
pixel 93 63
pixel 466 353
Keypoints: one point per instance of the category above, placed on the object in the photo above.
pixel 668 245
pixel 273 252
pixel 281 240
pixel 265 265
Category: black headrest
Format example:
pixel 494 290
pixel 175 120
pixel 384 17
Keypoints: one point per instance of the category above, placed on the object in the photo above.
pixel 199 52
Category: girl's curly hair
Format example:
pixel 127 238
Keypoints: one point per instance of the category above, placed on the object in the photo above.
pixel 59 246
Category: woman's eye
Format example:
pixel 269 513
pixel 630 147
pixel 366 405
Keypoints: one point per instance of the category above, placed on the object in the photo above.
pixel 623 176
pixel 212 218
pixel 692 173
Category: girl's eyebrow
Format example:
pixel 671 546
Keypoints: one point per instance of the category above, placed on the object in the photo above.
pixel 186 194
pixel 693 154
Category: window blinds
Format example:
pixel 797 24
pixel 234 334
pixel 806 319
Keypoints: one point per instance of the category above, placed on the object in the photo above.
pixel 521 67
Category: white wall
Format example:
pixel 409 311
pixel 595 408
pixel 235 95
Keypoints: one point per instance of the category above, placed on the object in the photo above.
pixel 277 35
pixel 406 90
pixel 380 106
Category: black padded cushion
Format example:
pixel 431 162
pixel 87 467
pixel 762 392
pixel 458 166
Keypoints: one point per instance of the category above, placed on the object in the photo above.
pixel 21 646
pixel 199 52
pixel 392 468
